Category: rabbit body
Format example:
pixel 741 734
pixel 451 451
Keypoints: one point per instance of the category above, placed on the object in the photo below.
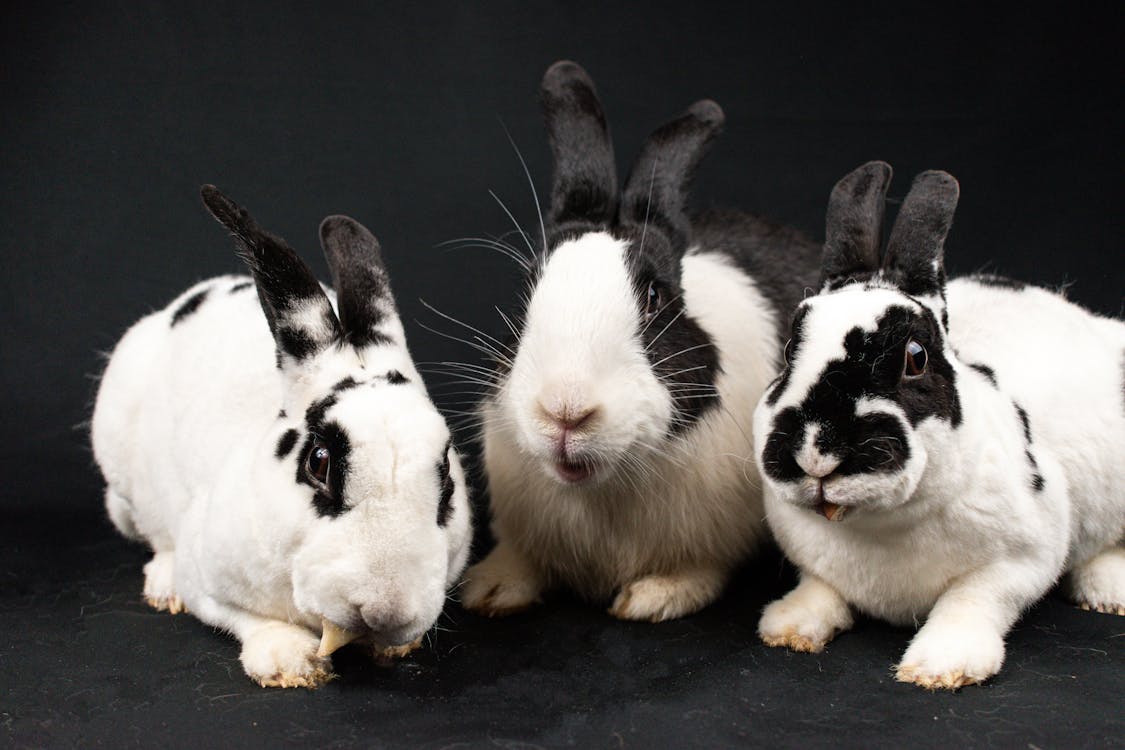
pixel 989 475
pixel 205 426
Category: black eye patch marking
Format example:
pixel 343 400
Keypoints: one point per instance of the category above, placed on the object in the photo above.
pixel 286 443
pixel 331 503
pixel 394 377
pixel 1037 482
pixel 240 286
pixel 188 306
pixel 871 368
pixel 445 501
pixel 987 371
pixel 314 415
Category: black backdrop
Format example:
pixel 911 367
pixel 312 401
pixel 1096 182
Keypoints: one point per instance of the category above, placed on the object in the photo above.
pixel 115 113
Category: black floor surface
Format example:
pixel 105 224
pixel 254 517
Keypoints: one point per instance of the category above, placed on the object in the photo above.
pixel 85 663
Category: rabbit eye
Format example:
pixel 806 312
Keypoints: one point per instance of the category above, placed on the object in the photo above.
pixel 915 364
pixel 788 352
pixel 654 300
pixel 318 462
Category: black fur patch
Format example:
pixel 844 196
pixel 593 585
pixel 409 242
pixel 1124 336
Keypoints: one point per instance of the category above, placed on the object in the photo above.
pixel 445 501
pixel 286 443
pixel 345 384
pixel 872 367
pixel 327 501
pixel 1037 481
pixel 314 415
pixel 987 371
pixel 189 305
pixel 394 377
pixel 296 342
pixel 796 338
pixel 240 286
pixel 1002 282
pixel 281 414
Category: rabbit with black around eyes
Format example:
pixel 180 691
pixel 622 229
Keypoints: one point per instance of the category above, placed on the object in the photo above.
pixel 617 440
pixel 297 489
pixel 938 452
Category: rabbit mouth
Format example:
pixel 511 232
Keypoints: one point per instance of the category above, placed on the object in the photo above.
pixel 825 507
pixel 573 471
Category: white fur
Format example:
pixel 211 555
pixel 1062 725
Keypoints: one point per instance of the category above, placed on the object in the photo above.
pixel 959 539
pixel 663 520
pixel 185 431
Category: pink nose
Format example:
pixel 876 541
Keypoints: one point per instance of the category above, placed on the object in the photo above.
pixel 816 464
pixel 569 416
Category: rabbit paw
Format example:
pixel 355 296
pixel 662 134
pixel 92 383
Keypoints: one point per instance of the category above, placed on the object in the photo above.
pixel 500 585
pixel 284 655
pixel 806 618
pixel 1099 583
pixel 666 597
pixel 951 656
pixel 159 591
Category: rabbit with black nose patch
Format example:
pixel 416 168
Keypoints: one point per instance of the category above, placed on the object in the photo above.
pixel 938 452
pixel 617 441
pixel 296 484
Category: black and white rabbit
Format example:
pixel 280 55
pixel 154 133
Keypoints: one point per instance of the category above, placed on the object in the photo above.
pixel 938 452
pixel 617 442
pixel 295 482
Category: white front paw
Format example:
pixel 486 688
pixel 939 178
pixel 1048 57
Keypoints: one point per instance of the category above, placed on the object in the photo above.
pixel 949 656
pixel 806 618
pixel 495 589
pixel 284 655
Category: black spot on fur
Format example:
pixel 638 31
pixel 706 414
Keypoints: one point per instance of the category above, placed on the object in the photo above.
pixel 189 305
pixel 394 377
pixel 445 501
pixel 345 384
pixel 296 342
pixel 872 367
pixel 1037 481
pixel 327 501
pixel 314 415
pixel 286 443
pixel 985 370
pixel 281 414
pixel 240 286
pixel 1024 421
pixel 1002 282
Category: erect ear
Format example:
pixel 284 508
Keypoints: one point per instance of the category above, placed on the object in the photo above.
pixel 299 314
pixel 656 191
pixel 584 188
pixel 363 290
pixel 915 251
pixel 854 225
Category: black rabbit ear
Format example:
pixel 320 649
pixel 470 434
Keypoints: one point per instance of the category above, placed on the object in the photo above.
pixel 584 188
pixel 915 251
pixel 854 226
pixel 299 314
pixel 656 192
pixel 363 289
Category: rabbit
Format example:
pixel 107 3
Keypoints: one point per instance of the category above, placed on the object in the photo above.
pixel 296 484
pixel 617 440
pixel 938 452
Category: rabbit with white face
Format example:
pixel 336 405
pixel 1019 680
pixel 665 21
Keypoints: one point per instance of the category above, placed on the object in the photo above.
pixel 298 489
pixel 617 442
pixel 938 452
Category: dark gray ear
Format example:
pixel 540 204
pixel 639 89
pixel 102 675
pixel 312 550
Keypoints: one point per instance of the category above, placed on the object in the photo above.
pixel 915 256
pixel 363 290
pixel 584 188
pixel 299 314
pixel 854 226
pixel 656 192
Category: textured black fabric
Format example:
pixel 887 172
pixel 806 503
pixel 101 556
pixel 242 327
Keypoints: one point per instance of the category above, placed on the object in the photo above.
pixel 114 115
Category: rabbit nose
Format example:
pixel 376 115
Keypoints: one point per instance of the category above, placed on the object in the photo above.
pixel 569 416
pixel 387 622
pixel 816 464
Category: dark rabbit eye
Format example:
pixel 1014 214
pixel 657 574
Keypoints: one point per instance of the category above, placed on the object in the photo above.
pixel 654 300
pixel 915 360
pixel 319 461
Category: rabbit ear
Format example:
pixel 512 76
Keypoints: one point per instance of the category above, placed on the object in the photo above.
pixel 656 191
pixel 363 290
pixel 854 226
pixel 915 251
pixel 299 314
pixel 585 178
